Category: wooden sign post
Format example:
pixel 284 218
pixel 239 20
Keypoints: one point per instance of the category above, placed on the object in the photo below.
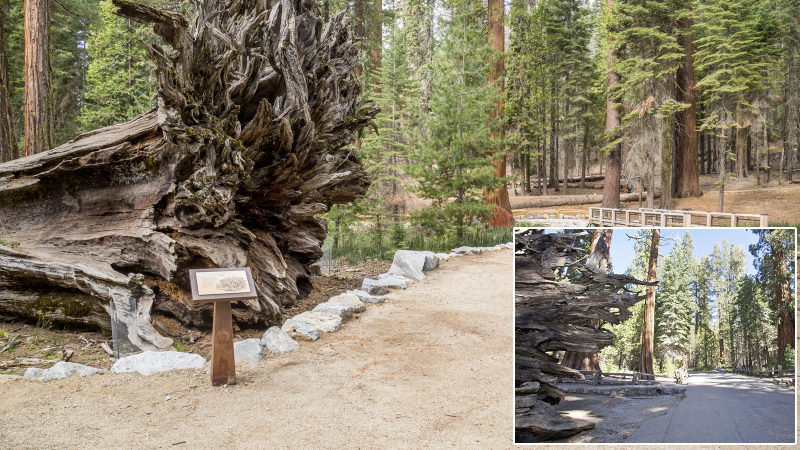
pixel 222 286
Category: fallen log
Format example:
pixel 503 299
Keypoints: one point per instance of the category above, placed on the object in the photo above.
pixel 553 315
pixel 257 108
pixel 554 200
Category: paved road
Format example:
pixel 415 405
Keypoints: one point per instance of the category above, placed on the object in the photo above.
pixel 725 408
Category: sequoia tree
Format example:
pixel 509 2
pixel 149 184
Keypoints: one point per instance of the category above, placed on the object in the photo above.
pixel 38 108
pixel 257 108
pixel 8 139
pixel 650 307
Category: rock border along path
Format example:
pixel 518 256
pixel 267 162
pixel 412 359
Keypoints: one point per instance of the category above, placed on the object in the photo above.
pixel 407 266
pixel 430 368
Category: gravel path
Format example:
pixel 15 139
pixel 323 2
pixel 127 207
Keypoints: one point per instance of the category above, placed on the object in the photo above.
pixel 430 368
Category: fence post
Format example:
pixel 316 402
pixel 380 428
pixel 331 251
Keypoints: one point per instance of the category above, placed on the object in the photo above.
pixel 634 378
pixel 709 219
pixel 663 220
pixel 780 370
pixel 596 377
pixel 763 221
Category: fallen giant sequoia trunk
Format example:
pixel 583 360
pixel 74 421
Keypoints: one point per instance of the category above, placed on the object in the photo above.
pixel 553 316
pixel 257 103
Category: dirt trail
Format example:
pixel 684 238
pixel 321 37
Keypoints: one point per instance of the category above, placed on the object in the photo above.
pixel 430 368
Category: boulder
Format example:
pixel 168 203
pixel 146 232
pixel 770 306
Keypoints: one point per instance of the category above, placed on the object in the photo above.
pixel 468 250
pixel 61 369
pixel 349 300
pixel 365 297
pixel 443 256
pixel 336 309
pixel 431 260
pixel 374 287
pixel 276 340
pixel 408 263
pixel 393 281
pixel 327 323
pixel 248 353
pixel 147 363
pixel 300 331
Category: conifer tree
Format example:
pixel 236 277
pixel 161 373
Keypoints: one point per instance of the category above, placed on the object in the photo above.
pixel 649 58
pixel 120 80
pixel 673 323
pixel 451 162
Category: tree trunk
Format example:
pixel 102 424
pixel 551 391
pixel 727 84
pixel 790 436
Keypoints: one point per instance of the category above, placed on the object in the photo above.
pixel 666 165
pixel 600 258
pixel 784 301
pixel 741 143
pixel 376 51
pixel 38 110
pixel 250 142
pixel 8 139
pixel 701 142
pixel 688 179
pixel 585 152
pixel 359 30
pixel 650 308
pixel 792 105
pixel 501 213
pixel 613 121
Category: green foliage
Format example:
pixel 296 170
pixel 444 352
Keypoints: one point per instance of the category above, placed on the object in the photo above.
pixel 120 74
pixel 453 160
pixel 673 306
pixel 181 346
pixel 788 358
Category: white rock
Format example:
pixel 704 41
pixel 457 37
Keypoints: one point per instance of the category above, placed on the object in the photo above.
pixel 374 287
pixel 276 340
pixel 349 300
pixel 365 297
pixel 408 263
pixel 300 331
pixel 61 369
pixel 148 363
pixel 248 353
pixel 327 323
pixel 443 256
pixel 336 309
pixel 393 281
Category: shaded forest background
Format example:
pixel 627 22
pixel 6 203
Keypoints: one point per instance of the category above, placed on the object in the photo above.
pixel 474 94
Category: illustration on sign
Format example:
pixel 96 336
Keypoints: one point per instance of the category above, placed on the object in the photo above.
pixel 227 282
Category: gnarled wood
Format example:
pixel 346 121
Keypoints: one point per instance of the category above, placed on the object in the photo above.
pixel 257 104
pixel 554 315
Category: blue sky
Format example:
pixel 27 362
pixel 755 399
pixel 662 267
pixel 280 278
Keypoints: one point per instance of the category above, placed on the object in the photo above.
pixel 703 240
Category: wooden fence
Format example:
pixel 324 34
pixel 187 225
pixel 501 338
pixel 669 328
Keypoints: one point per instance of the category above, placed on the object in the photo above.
pixel 779 372
pixel 598 377
pixel 646 217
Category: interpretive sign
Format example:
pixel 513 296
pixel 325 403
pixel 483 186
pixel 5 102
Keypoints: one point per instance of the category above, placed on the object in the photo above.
pixel 222 286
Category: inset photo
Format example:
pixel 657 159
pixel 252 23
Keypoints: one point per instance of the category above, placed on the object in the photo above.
pixel 655 335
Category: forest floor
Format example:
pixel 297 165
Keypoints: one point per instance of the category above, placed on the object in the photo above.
pixel 430 368
pixel 781 202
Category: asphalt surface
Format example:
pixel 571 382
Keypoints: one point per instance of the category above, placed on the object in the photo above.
pixel 725 408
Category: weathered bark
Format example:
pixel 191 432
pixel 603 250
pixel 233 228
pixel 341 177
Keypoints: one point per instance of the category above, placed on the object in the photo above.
pixel 687 176
pixel 501 212
pixel 613 121
pixel 648 328
pixel 600 258
pixel 554 315
pixel 8 139
pixel 256 106
pixel 37 107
